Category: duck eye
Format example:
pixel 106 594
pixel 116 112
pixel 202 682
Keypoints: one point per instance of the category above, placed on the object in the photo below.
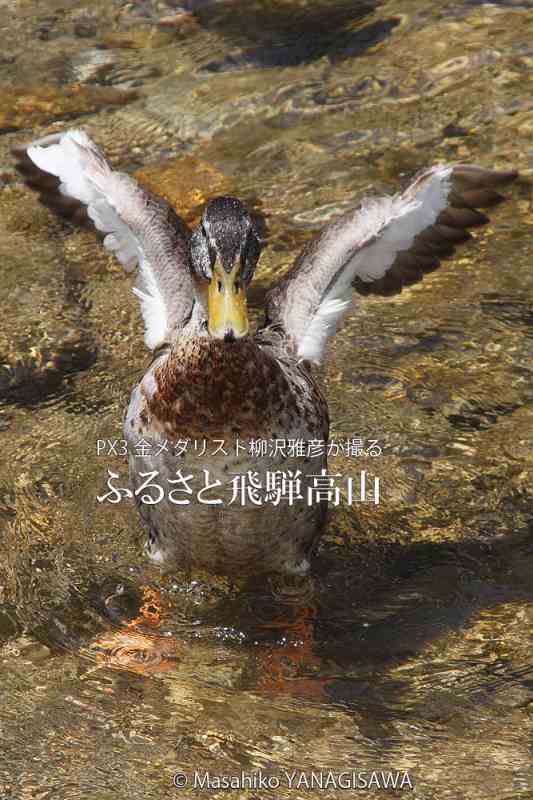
pixel 249 257
pixel 220 287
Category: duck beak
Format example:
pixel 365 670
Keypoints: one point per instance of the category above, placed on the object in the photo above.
pixel 226 304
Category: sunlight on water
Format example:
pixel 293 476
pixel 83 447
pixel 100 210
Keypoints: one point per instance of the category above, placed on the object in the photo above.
pixel 408 649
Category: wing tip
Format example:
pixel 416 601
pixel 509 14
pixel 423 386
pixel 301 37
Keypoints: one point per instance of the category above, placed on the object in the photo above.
pixel 476 177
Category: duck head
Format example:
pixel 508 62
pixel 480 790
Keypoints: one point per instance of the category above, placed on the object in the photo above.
pixel 225 250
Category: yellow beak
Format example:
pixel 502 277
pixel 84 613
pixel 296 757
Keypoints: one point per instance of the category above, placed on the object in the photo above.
pixel 226 303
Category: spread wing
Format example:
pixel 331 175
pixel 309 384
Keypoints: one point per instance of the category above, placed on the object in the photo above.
pixel 74 178
pixel 385 244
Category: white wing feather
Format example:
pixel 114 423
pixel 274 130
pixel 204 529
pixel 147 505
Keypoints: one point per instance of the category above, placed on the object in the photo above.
pixel 367 248
pixel 119 208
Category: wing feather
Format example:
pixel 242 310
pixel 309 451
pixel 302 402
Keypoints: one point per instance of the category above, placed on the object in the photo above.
pixel 384 244
pixel 140 229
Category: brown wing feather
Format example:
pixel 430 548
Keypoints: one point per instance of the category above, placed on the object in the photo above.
pixel 473 188
pixel 47 187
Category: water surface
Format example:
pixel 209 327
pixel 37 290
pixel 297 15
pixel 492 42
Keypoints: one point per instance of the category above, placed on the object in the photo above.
pixel 411 647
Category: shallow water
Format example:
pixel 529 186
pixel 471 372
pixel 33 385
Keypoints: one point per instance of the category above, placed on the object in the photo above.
pixel 410 648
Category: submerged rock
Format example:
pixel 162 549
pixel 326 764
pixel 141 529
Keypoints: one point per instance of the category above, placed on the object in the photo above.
pixel 27 107
pixel 186 182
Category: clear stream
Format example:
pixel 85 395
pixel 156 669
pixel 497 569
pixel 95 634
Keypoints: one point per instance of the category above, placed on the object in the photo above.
pixel 410 648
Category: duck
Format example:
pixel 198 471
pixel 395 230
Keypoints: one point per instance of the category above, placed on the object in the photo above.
pixel 238 507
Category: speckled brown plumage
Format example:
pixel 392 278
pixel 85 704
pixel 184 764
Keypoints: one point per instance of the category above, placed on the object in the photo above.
pixel 212 390
pixel 208 388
